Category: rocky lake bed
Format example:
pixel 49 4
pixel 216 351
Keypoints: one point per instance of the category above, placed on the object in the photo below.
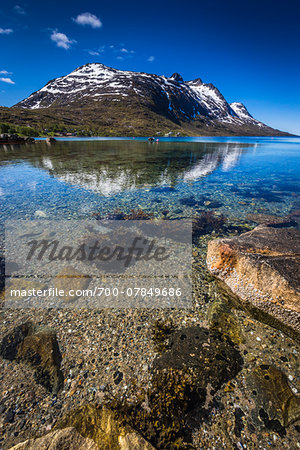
pixel 113 354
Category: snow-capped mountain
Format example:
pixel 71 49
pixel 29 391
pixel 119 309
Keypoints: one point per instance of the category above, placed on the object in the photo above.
pixel 181 102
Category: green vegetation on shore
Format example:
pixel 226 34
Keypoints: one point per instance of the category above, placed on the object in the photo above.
pixel 115 119
pixel 7 128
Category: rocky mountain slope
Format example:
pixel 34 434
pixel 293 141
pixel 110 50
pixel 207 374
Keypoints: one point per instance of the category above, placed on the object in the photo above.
pixel 141 103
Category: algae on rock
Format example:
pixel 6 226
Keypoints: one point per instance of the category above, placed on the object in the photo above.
pixel 193 363
pixel 222 320
pixel 102 425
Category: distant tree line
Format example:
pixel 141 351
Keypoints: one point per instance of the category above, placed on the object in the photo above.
pixel 7 128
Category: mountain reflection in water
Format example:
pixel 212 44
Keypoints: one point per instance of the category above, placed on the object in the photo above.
pixel 112 167
pixel 78 179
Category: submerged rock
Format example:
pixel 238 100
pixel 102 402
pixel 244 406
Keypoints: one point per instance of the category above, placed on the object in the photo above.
pixel 262 267
pixel 186 375
pixel 221 319
pixel 40 214
pixel 105 429
pixel 276 404
pixel 272 221
pixel 70 279
pixel 207 222
pixel 17 288
pixel 192 366
pixel 209 358
pixel 38 349
pixel 213 204
pixel 11 342
pixel 65 439
pixel 41 352
pixel 188 201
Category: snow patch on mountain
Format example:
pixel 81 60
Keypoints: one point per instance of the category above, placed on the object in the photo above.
pixel 241 110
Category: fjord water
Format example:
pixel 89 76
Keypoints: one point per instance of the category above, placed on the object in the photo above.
pixel 78 178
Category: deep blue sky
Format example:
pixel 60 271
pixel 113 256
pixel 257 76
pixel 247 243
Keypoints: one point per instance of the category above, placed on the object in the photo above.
pixel 248 48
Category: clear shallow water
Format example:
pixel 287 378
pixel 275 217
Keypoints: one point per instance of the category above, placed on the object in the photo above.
pixel 76 178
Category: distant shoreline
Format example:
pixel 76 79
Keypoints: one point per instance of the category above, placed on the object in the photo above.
pixel 228 139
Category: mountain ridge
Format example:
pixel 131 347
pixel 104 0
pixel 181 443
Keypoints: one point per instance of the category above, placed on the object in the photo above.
pixel 132 103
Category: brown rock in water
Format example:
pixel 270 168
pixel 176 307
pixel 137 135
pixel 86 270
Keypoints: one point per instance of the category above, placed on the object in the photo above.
pixel 192 367
pixel 134 441
pixel 65 439
pixel 38 349
pixel 210 358
pixel 220 318
pixel 276 404
pixel 10 343
pixel 70 279
pixel 41 352
pixel 262 267
pixel 193 364
pixel 102 426
pixel 207 222
pixel 15 289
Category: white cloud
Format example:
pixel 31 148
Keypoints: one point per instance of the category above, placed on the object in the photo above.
pixel 119 51
pixel 151 58
pixel 7 80
pixel 5 72
pixel 20 10
pixel 61 40
pixel 88 19
pixel 6 30
pixel 122 52
pixel 97 51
